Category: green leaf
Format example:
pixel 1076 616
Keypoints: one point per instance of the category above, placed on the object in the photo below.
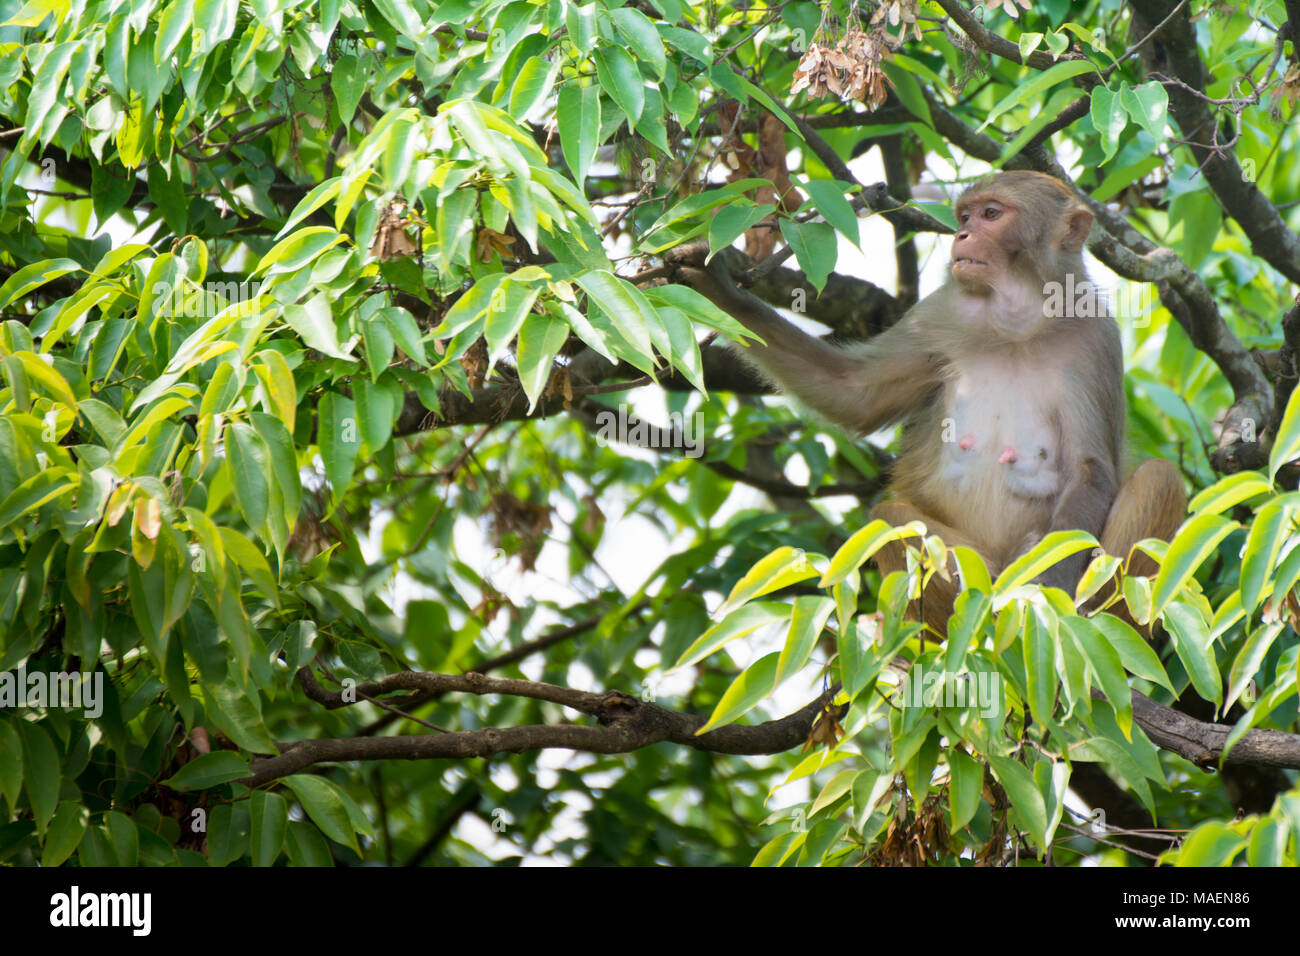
pixel 228 833
pixel 1031 91
pixel 620 78
pixel 1108 119
pixel 733 221
pixel 377 410
pixel 173 25
pixel 238 714
pixel 406 332
pixel 966 626
pixel 1268 843
pixel 471 308
pixel 814 246
pixel 779 569
pixel 124 835
pixel 641 37
pixel 902 73
pixel 348 83
pixel 532 86
pixel 269 818
pixel 1211 844
pixel 326 804
pixel 379 345
pixel 836 787
pixel 11 763
pixel 1028 43
pixel 1124 762
pixel 42 488
pixel 505 316
pixel 209 770
pixel 1194 543
pixel 578 115
pixel 1148 104
pixel 828 196
pixel 1250 658
pixel 32 277
pixel 700 309
pixel 305 845
pixel 748 689
pixel 41 768
pixel 1285 447
pixel 1191 638
pixel 965 789
pixel 297 250
pixel 974 572
pixel 627 307
pixel 400 153
pixel 1106 664
pixel 1229 491
pixel 1039 651
pixel 807 621
pixel 314 323
pixel 250 472
pixel 1052 549
pixel 309 203
pixel 1026 800
pixel 1267 532
pixel 46 90
pixel 862 544
pixel 540 340
pixel 684 349
pixel 65 833
pixel 339 438
pixel 738 623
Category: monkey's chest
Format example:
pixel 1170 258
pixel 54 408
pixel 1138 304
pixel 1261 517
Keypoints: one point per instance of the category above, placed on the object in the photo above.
pixel 998 434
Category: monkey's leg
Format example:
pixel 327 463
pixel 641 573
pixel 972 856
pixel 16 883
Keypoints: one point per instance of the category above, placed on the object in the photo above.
pixel 1151 504
pixel 934 606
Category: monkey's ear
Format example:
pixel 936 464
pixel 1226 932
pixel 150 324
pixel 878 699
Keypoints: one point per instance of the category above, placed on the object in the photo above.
pixel 1077 223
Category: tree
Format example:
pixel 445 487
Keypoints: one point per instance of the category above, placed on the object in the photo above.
pixel 321 327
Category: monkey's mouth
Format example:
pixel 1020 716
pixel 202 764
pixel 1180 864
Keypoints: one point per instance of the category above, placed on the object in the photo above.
pixel 962 261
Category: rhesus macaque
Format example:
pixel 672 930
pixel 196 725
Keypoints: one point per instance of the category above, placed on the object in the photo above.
pixel 1013 415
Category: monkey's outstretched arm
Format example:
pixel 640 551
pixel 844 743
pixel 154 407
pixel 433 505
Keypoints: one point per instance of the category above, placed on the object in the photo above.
pixel 863 387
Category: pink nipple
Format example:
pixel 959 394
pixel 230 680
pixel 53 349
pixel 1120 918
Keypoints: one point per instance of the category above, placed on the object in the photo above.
pixel 1009 456
pixel 967 442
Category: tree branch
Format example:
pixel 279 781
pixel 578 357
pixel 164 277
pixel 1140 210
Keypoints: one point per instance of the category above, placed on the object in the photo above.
pixel 627 724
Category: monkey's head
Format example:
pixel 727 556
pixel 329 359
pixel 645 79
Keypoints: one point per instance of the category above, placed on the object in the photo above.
pixel 1018 226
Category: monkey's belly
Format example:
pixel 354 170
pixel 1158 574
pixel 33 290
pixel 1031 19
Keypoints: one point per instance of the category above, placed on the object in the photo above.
pixel 999 457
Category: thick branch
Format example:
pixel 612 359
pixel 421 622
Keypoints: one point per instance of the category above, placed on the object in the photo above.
pixel 989 41
pixel 1202 742
pixel 628 724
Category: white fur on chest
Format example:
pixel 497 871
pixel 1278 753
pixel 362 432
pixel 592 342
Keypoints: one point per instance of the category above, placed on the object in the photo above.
pixel 999 434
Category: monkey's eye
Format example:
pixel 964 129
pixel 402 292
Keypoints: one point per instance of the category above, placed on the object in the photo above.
pixel 963 217
pixel 992 212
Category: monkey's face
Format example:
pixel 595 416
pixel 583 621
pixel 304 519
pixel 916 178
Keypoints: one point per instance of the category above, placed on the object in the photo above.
pixel 987 240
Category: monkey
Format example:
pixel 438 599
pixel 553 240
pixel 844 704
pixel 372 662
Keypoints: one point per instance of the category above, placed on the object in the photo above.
pixel 1012 407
